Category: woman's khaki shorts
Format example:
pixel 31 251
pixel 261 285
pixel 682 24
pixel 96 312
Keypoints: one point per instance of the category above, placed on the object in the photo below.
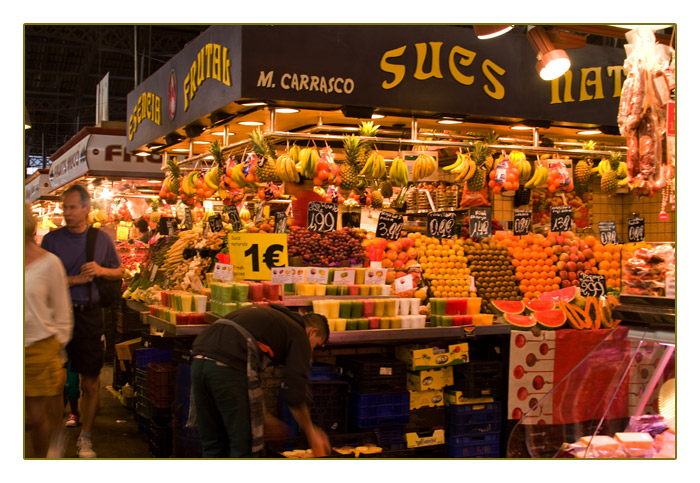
pixel 44 374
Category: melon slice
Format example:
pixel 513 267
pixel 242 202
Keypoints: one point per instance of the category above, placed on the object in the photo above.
pixel 502 307
pixel 567 294
pixel 550 319
pixel 520 321
pixel 537 305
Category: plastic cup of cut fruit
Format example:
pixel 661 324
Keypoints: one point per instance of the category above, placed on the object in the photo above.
pixel 356 308
pixel 373 322
pixel 418 321
pixel 379 308
pixel 473 305
pixel 340 325
pixel 404 306
pixel 362 323
pixel 331 325
pixel 333 309
pixel 350 324
pixel 386 290
pixel 345 309
pixel 482 319
pixel 385 322
pixel 364 290
pixel 415 306
pixel 394 322
pixel 462 306
pixel 320 290
pixel 375 290
pixel 367 308
pixel 353 289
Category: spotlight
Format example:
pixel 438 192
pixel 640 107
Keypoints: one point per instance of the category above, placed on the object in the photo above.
pixel 490 31
pixel 551 62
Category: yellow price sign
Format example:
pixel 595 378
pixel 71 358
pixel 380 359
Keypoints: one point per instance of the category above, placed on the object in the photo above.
pixel 253 255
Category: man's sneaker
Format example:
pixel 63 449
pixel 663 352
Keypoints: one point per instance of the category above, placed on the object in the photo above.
pixel 85 448
pixel 72 421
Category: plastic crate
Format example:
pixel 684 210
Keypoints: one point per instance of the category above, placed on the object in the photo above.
pixel 479 379
pixel 482 446
pixel 425 419
pixel 390 437
pixel 146 355
pixel 323 372
pixel 373 373
pixel 328 409
pixel 382 409
pixel 473 419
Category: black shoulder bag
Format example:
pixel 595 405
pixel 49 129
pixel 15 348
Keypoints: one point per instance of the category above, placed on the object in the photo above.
pixel 110 290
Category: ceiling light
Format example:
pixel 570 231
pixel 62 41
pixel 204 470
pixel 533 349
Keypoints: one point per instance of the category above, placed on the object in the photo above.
pixel 143 153
pixel 201 142
pixel 154 181
pixel 251 123
pixel 254 104
pixel 378 116
pixel 181 150
pixel 286 110
pixel 218 133
pixel 491 31
pixel 551 62
pixel 590 132
pixel 449 121
pixel 209 157
pixel 520 127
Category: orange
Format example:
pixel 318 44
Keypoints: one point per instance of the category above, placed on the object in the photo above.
pixel 604 265
pixel 589 240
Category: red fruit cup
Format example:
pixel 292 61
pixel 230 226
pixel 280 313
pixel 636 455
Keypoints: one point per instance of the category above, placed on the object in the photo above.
pixel 373 322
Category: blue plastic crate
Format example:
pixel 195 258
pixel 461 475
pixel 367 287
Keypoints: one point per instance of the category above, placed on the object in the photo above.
pixel 380 409
pixel 456 429
pixel 145 356
pixel 380 399
pixel 483 446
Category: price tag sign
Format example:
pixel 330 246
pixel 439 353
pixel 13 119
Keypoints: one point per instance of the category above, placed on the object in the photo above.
pixel 233 217
pixel 298 274
pixel 260 212
pixel 188 218
pixel 223 272
pixel 375 277
pixel 322 217
pixel 670 287
pixel 171 227
pixel 591 284
pixel 317 275
pixel 441 225
pixel 122 233
pixel 254 255
pixel 343 277
pixel 403 284
pixel 216 224
pixel 281 275
pixel 608 232
pixel 561 218
pixel 154 271
pixel 280 222
pixel 480 223
pixel 389 225
pixel 522 222
pixel 635 230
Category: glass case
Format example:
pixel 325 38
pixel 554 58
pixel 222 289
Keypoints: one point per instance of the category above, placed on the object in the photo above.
pixel 649 269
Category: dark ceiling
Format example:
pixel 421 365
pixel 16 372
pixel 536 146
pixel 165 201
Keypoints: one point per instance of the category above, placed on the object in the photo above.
pixel 64 63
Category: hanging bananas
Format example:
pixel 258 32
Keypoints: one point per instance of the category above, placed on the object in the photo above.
pixel 308 158
pixel 518 159
pixel 424 166
pixel 286 169
pixel 398 172
pixel 375 167
pixel 466 170
pixel 539 177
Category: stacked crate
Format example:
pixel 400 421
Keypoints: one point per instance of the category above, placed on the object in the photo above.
pixel 473 429
pixel 186 441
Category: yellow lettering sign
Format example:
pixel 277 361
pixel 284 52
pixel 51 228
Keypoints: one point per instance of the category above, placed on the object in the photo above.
pixel 147 107
pixel 596 81
pixel 496 90
pixel 421 51
pixel 211 62
pixel 398 70
pixel 466 59
pixel 615 71
pixel 567 89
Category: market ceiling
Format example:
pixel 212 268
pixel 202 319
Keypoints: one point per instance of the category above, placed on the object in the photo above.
pixel 64 64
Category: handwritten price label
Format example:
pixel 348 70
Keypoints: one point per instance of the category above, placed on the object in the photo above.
pixel 441 225
pixel 215 223
pixel 188 218
pixel 322 217
pixel 608 232
pixel 480 223
pixel 233 218
pixel 635 230
pixel 561 218
pixel 280 222
pixel 591 284
pixel 389 225
pixel 522 220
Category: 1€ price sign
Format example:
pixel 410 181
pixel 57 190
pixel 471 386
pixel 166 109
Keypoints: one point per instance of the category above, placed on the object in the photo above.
pixel 254 255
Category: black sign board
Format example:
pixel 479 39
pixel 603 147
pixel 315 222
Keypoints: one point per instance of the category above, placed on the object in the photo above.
pixel 635 230
pixel 480 223
pixel 188 218
pixel 171 227
pixel 591 284
pixel 608 232
pixel 560 218
pixel 280 222
pixel 215 223
pixel 522 221
pixel 389 225
pixel 233 217
pixel 441 225
pixel 322 217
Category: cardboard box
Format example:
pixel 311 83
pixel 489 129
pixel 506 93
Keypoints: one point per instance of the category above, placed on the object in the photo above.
pixel 429 398
pixel 430 379
pixel 433 357
pixel 125 350
pixel 455 398
pixel 419 440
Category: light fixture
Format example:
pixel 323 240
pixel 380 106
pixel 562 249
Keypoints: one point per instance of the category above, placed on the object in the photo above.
pixel 490 31
pixel 286 110
pixel 378 116
pixel 449 121
pixel 154 181
pixel 251 123
pixel 143 153
pixel 551 62
pixel 254 104
pixel 218 133
pixel 520 127
pixel 181 150
pixel 590 132
pixel 202 142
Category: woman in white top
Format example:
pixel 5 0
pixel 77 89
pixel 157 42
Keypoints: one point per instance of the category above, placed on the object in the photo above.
pixel 48 326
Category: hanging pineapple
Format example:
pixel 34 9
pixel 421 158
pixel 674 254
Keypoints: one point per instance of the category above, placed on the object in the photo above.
pixel 583 170
pixel 609 179
pixel 484 162
pixel 366 129
pixel 170 189
pixel 349 169
pixel 267 159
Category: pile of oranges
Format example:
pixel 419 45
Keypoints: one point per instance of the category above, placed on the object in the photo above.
pixel 444 263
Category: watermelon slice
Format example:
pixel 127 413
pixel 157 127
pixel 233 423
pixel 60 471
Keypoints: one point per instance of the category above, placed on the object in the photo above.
pixel 550 319
pixel 520 321
pixel 567 294
pixel 501 307
pixel 537 305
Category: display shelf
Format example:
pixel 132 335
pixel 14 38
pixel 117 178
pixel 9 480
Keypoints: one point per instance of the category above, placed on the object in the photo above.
pixel 306 301
pixel 646 310
pixel 175 330
pixel 383 336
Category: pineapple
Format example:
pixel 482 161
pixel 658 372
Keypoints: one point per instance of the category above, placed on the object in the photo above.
pixel 267 162
pixel 583 170
pixel 366 129
pixel 608 181
pixel 349 169
pixel 386 189
pixel 376 199
pixel 484 162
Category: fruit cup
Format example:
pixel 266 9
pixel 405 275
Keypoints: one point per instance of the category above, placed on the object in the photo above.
pixel 356 308
pixel 332 290
pixel 350 324
pixel 450 306
pixel 375 290
pixel 364 289
pixel 345 309
pixel 373 322
pixel 164 298
pixel 446 321
pixel 186 300
pixel 482 319
pixel 320 290
pixel 473 305
pixel 394 322
pixel 440 306
pixel 343 290
pixel 462 305
pixel 378 308
pixel 367 308
pixel 255 292
pixel 404 306
pixel 406 321
pixel 467 320
pixel 320 307
pixel 434 320
pixel 360 275
pixel 340 325
pixel 362 323
pixel 331 325
pixel 201 302
pixel 386 290
pixel 384 323
pixel 354 290
pixel 333 309
pixel 391 307
pixel 418 321
pixel 272 291
pixel 240 292
pixel 415 306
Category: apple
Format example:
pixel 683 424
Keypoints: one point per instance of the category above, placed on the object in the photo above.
pixel 403 256
pixel 557 250
pixel 391 254
pixel 574 283
pixel 573 276
pixel 587 266
pixel 565 283
pixel 579 266
pixel 564 275
pixel 398 264
pixel 564 257
pixel 395 246
pixel 571 266
pixel 407 243
pixel 561 265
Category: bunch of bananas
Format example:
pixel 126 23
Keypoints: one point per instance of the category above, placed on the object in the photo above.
pixel 398 172
pixel 424 166
pixel 187 185
pixel 237 176
pixel 621 171
pixel 286 169
pixel 375 167
pixel 518 159
pixel 539 177
pixel 464 167
pixel 306 160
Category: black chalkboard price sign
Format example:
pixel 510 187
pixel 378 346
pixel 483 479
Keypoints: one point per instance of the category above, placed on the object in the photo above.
pixel 188 218
pixel 233 217
pixel 480 223
pixel 560 218
pixel 608 232
pixel 322 217
pixel 389 225
pixel 591 284
pixel 635 230
pixel 215 223
pixel 171 227
pixel 441 225
pixel 522 221
pixel 280 222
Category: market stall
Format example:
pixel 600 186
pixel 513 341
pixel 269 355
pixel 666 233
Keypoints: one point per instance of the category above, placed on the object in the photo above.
pixel 411 238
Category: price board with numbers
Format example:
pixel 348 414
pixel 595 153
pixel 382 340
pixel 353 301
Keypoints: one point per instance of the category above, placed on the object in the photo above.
pixel 171 227
pixel 188 218
pixel 216 224
pixel 591 284
pixel 280 222
pixel 441 225
pixel 560 218
pixel 608 232
pixel 480 223
pixel 522 221
pixel 322 217
pixel 635 230
pixel 233 217
pixel 389 225
pixel 253 255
